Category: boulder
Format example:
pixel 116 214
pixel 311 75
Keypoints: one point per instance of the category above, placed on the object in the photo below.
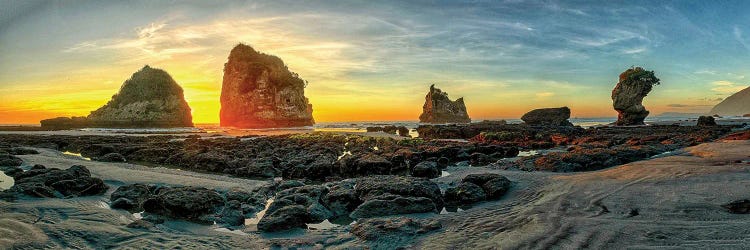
pixel 285 218
pixel 706 121
pixel 494 185
pixel 390 204
pixel 231 214
pixel 259 91
pixel 403 131
pixel 627 96
pixel 191 203
pixel 374 186
pixel 364 165
pixel 548 117
pixel 341 198
pixel 426 169
pixel 8 160
pixel 130 197
pixel 438 108
pixel 463 194
pixel 294 207
pixel 738 206
pixel 112 157
pixel 52 182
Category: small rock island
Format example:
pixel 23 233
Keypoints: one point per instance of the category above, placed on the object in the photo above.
pixel 627 96
pixel 438 108
pixel 150 98
pixel 259 91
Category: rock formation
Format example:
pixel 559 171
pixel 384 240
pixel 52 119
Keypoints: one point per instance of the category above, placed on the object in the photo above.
pixel 737 104
pixel 635 83
pixel 438 108
pixel 706 121
pixel 548 117
pixel 150 98
pixel 259 91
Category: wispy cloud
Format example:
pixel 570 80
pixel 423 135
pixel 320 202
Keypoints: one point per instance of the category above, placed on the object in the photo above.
pixel 727 87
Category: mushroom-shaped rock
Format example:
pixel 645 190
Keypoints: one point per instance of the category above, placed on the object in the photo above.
pixel 627 96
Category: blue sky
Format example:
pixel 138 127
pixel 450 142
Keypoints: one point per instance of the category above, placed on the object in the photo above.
pixel 374 60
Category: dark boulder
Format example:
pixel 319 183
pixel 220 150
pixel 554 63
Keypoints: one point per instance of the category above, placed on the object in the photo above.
pixel 738 206
pixel 706 121
pixel 463 194
pixel 341 198
pixel 285 218
pixel 52 182
pixel 10 160
pixel 112 157
pixel 426 169
pixel 548 117
pixel 494 185
pixel 191 203
pixel 389 204
pixel 294 207
pixel 130 197
pixel 373 186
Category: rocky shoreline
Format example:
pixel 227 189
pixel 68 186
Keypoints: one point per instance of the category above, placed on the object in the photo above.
pixel 314 178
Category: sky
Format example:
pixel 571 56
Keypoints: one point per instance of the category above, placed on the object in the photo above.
pixel 375 60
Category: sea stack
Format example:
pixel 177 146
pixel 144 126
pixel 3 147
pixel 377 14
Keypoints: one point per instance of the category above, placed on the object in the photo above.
pixel 548 117
pixel 150 98
pixel 738 104
pixel 259 91
pixel 635 83
pixel 438 108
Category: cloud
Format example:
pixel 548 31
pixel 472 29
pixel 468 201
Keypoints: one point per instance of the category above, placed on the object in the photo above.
pixel 544 94
pixel 726 87
pixel 705 72
pixel 738 36
pixel 677 105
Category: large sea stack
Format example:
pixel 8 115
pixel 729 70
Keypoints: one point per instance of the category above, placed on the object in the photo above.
pixel 438 108
pixel 259 91
pixel 737 104
pixel 635 83
pixel 150 98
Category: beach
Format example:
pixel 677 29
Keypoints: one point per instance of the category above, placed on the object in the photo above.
pixel 667 201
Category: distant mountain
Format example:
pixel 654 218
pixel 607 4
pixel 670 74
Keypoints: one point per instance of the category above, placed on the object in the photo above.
pixel 679 114
pixel 736 104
